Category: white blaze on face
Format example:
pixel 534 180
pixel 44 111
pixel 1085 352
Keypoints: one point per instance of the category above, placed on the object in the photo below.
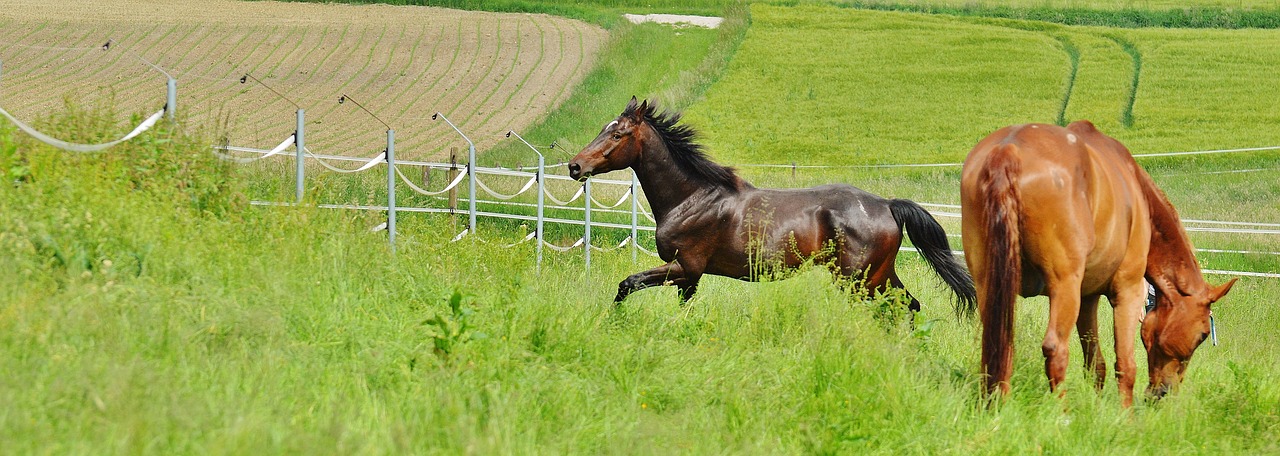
pixel 1071 139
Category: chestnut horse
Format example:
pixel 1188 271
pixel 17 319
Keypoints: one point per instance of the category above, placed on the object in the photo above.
pixel 710 221
pixel 1066 212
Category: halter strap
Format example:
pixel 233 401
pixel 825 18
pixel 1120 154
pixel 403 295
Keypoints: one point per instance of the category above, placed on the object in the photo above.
pixel 1213 329
pixel 1151 305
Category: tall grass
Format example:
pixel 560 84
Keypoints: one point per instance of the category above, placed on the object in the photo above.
pixel 135 320
pixel 145 308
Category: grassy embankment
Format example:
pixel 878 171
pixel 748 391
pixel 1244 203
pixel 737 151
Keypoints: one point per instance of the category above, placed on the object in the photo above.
pixel 674 65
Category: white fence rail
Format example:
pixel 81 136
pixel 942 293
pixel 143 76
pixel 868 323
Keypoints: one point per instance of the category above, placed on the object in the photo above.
pixel 539 178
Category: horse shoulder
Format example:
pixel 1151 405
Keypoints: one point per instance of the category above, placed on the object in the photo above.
pixel 699 219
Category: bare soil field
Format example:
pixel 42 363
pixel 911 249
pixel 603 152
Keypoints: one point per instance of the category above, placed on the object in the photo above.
pixel 487 72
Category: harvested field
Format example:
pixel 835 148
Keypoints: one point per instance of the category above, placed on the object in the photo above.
pixel 488 72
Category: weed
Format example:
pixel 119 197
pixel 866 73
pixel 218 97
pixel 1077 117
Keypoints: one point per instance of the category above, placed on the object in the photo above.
pixel 450 330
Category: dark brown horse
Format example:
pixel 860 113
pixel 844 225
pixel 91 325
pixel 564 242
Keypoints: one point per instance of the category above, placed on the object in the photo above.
pixel 1066 212
pixel 710 221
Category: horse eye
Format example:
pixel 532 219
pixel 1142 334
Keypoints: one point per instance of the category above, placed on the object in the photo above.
pixel 617 136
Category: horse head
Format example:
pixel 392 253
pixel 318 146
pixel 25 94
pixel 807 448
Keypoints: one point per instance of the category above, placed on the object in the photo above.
pixel 1173 330
pixel 617 146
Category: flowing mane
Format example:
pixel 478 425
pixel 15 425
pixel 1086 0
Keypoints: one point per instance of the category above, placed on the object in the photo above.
pixel 1171 264
pixel 688 154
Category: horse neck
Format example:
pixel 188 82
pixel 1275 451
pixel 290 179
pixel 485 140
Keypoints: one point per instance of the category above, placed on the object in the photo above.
pixel 665 183
pixel 1171 261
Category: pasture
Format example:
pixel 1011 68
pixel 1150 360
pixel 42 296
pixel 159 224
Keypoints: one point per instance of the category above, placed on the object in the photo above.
pixel 146 308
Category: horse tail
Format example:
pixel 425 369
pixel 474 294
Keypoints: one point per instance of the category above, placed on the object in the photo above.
pixel 931 241
pixel 1003 265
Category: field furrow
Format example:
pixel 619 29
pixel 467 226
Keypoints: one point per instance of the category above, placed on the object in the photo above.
pixel 514 85
pixel 1102 82
pixel 408 64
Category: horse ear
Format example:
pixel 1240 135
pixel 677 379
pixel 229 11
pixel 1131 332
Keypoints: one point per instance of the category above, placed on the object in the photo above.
pixel 641 111
pixel 1219 291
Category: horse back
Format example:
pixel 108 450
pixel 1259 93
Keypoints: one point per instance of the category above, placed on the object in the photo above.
pixel 1081 209
pixel 791 226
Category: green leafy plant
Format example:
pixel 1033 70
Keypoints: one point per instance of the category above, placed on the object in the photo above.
pixel 449 330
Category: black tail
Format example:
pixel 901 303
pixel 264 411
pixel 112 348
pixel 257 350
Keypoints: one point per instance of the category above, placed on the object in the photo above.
pixel 931 240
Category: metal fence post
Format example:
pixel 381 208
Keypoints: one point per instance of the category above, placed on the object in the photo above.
pixel 171 103
pixel 635 205
pixel 391 189
pixel 300 144
pixel 471 170
pixel 586 233
pixel 541 191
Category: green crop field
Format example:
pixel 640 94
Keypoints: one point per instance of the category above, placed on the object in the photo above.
pixel 147 308
pixel 1095 4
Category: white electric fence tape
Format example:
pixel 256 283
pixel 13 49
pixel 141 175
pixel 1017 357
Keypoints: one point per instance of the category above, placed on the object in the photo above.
pixel 563 249
pixel 380 158
pixel 278 149
pixel 646 213
pixel 624 199
pixel 563 203
pixel 939 165
pixel 73 147
pixel 522 241
pixel 500 196
pixel 418 189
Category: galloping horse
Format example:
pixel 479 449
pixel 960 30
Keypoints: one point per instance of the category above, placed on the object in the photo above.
pixel 1066 212
pixel 710 221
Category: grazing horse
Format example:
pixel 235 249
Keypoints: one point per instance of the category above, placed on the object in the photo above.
pixel 1066 212
pixel 710 221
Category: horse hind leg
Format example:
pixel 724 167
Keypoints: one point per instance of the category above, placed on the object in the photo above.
pixel 1064 310
pixel 913 304
pixel 878 277
pixel 1087 328
pixel 686 290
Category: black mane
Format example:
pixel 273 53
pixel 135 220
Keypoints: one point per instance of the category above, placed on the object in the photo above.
pixel 688 154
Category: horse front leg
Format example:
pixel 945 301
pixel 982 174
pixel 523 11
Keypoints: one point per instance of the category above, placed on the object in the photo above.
pixel 1128 310
pixel 672 273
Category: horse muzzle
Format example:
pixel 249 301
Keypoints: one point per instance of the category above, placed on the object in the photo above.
pixel 577 173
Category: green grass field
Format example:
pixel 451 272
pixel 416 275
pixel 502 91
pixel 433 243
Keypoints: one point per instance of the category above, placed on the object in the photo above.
pixel 1094 4
pixel 1208 14
pixel 146 308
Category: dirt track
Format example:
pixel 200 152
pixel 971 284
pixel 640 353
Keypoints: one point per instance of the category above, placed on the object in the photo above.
pixel 488 72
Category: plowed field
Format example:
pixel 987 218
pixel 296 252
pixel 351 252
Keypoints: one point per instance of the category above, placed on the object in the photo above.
pixel 487 72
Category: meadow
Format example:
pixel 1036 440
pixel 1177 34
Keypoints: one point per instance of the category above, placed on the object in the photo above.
pixel 146 308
